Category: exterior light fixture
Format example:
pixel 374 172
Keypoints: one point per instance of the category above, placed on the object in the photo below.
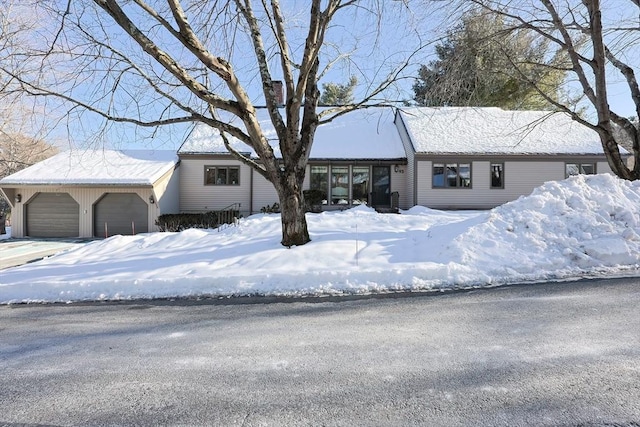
pixel 18 198
pixel 151 199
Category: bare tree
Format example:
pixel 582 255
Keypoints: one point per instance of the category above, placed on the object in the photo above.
pixel 129 60
pixel 18 151
pixel 597 49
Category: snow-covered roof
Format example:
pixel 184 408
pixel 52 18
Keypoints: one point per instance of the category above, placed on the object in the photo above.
pixel 490 130
pixel 75 167
pixel 361 134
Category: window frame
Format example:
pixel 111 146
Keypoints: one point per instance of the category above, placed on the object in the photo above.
pixel 444 164
pixel 335 173
pixel 495 187
pixel 352 186
pixel 214 173
pixel 580 165
pixel 325 181
pixel 349 169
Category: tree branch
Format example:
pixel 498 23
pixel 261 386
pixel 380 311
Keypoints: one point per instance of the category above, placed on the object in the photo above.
pixel 630 77
pixel 164 59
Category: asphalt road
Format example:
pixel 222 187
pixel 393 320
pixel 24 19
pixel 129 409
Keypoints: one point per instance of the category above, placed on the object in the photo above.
pixel 553 354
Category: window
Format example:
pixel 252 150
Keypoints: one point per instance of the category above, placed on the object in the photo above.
pixel 497 175
pixel 451 175
pixel 319 180
pixel 359 185
pixel 221 175
pixel 347 185
pixel 579 168
pixel 339 185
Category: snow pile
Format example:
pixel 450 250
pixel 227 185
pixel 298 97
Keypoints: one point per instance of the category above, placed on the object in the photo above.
pixel 585 224
pixel 577 227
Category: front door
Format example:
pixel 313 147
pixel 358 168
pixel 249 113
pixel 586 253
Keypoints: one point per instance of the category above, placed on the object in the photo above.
pixel 381 189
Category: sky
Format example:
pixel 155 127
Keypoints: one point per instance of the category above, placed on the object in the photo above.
pixel 586 226
pixel 373 47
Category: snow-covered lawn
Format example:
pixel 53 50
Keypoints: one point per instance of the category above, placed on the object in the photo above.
pixel 582 226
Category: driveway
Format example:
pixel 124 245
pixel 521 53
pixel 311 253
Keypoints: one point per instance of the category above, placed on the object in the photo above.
pixel 22 251
pixel 561 354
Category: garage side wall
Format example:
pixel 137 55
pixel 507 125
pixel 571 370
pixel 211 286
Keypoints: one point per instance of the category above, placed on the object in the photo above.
pixel 166 192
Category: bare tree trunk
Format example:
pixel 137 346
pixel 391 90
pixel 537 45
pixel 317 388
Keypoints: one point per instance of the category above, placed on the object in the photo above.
pixel 614 158
pixel 293 216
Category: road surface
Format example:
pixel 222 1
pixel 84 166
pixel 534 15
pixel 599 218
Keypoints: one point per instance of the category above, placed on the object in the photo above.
pixel 550 354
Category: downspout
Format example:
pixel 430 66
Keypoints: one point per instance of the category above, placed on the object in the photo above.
pixel 415 180
pixel 250 191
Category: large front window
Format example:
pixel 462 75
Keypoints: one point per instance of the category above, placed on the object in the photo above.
pixel 347 185
pixel 451 175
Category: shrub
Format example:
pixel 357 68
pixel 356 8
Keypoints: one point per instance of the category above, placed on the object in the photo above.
pixel 313 200
pixel 275 208
pixel 182 221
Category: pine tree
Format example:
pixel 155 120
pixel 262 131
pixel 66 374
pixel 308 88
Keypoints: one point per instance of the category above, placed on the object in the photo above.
pixel 338 94
pixel 483 63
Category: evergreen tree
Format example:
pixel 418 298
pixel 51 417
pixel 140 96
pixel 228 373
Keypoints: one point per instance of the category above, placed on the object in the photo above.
pixel 338 94
pixel 484 63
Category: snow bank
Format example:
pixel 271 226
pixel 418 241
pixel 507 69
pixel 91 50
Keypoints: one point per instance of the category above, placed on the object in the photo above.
pixel 583 226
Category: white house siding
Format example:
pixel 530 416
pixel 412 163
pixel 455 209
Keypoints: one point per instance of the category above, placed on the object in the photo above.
pixel 84 196
pixel 166 192
pixel 195 196
pixel 520 178
pixel 603 167
pixel 264 194
pixel 399 183
pixel 408 199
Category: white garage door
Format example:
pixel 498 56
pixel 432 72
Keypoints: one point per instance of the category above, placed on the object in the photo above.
pixel 120 213
pixel 53 215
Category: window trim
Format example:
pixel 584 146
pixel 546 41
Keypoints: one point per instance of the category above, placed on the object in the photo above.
pixel 215 169
pixel 491 186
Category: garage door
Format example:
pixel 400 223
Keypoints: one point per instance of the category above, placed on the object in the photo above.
pixel 53 215
pixel 123 213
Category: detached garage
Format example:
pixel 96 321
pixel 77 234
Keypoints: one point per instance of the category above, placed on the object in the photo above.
pixel 88 193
